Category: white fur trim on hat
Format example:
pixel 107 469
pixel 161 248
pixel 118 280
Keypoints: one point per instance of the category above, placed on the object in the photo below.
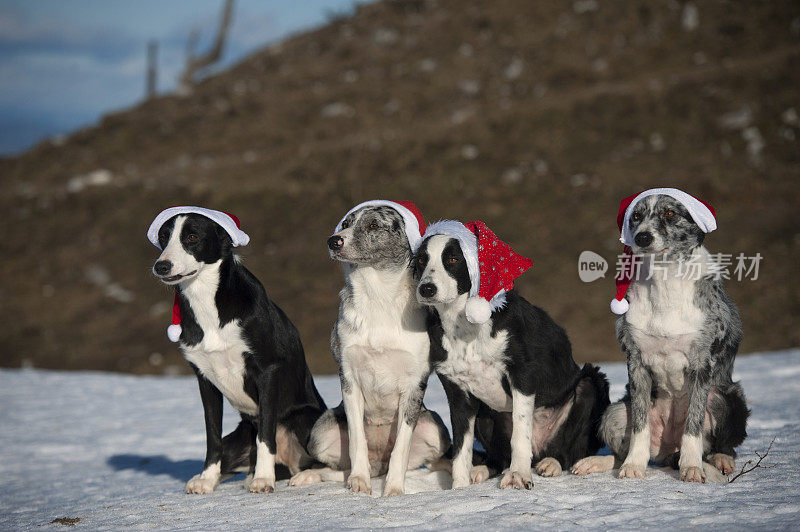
pixel 478 310
pixel 409 219
pixel 238 237
pixel 469 247
pixel 701 214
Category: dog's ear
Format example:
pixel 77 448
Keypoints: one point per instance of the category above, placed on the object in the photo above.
pixel 224 238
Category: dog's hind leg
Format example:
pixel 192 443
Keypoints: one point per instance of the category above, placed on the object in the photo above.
pixel 429 443
pixel 727 415
pixel 314 476
pixel 615 431
pixel 238 449
pixel 577 435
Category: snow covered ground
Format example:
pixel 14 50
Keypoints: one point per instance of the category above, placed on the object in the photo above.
pixel 115 451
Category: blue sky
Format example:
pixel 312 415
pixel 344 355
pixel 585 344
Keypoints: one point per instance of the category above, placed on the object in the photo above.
pixel 63 63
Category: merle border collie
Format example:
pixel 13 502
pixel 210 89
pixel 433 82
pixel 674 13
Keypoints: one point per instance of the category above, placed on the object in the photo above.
pixel 511 381
pixel 380 341
pixel 241 346
pixel 680 336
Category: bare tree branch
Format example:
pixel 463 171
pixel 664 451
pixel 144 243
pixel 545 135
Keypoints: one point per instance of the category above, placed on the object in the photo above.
pixel 196 63
pixel 757 465
pixel 152 69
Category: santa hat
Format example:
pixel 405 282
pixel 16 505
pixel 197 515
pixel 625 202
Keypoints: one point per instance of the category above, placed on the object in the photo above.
pixel 227 221
pixel 491 263
pixel 701 212
pixel 412 218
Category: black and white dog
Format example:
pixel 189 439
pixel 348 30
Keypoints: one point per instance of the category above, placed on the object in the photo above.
pixel 241 346
pixel 380 341
pixel 510 378
pixel 680 335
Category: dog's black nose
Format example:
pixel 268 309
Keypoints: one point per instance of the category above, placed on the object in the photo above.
pixel 427 290
pixel 162 267
pixel 335 242
pixel 643 239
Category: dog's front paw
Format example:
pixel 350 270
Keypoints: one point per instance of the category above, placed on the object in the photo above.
pixel 593 464
pixel 201 486
pixel 359 484
pixel 479 474
pixel 259 485
pixel 693 474
pixel 389 490
pixel 303 478
pixel 548 467
pixel 516 480
pixel 723 462
pixel 631 471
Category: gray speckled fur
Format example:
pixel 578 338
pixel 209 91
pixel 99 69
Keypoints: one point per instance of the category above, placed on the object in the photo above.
pixel 374 238
pixel 711 354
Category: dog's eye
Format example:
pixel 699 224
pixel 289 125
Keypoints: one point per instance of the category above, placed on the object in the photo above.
pixel 373 226
pixel 669 214
pixel 420 261
pixel 345 225
pixel 452 260
pixel 192 238
pixel 636 217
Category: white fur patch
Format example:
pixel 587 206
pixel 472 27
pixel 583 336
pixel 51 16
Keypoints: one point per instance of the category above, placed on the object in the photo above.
pixel 475 359
pixel 220 354
pixel 664 322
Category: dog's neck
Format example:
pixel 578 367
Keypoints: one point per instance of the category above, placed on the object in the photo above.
pixel 201 291
pixel 383 285
pixel 454 319
pixel 668 271
pixel 671 286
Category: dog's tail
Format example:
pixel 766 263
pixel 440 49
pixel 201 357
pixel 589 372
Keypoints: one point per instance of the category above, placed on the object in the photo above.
pixel 596 388
pixel 239 449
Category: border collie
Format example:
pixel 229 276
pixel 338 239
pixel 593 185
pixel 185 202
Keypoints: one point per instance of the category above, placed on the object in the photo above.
pixel 511 381
pixel 380 341
pixel 241 346
pixel 680 336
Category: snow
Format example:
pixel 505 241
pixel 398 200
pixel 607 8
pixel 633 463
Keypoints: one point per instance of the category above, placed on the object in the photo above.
pixel 116 450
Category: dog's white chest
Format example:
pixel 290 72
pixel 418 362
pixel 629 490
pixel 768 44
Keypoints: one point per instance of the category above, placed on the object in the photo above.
pixel 476 364
pixel 384 341
pixel 664 323
pixel 220 359
pixel 219 356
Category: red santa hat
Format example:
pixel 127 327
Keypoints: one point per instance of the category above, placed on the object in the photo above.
pixel 701 212
pixel 491 263
pixel 412 218
pixel 229 222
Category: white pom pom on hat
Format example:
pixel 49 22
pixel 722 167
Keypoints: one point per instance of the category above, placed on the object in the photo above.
pixel 478 310
pixel 701 212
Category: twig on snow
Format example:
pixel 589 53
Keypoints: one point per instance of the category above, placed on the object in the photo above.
pixel 757 465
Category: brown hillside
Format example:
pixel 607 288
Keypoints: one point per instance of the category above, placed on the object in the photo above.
pixel 537 117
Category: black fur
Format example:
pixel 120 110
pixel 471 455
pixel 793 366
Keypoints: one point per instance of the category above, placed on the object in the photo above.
pixel 538 360
pixel 276 377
